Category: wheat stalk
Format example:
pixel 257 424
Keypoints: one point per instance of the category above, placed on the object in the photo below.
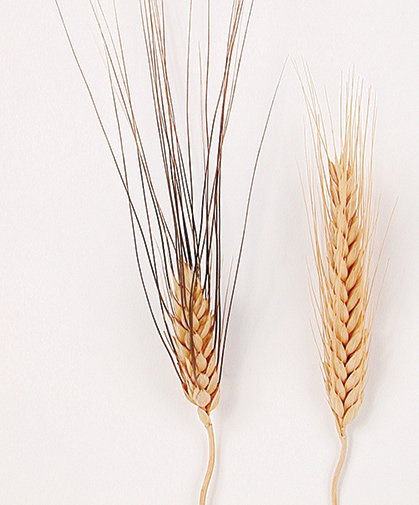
pixel 180 247
pixel 342 241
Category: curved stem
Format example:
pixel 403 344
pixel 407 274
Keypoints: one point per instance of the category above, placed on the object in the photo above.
pixel 338 470
pixel 211 462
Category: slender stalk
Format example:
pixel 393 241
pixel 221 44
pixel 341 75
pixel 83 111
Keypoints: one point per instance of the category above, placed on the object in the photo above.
pixel 211 463
pixel 338 470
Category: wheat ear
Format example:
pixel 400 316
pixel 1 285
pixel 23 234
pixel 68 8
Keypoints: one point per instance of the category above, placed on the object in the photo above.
pixel 343 254
pixel 194 344
pixel 177 229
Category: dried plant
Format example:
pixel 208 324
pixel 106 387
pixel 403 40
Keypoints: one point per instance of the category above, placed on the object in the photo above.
pixel 342 235
pixel 182 245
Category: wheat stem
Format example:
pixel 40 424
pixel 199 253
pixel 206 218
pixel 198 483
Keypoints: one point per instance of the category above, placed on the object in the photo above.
pixel 335 482
pixel 211 463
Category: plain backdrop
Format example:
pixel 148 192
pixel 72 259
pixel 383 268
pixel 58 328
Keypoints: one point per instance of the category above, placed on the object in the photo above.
pixel 91 412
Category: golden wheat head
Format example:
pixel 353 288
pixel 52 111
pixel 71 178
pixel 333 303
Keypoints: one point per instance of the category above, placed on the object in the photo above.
pixel 342 239
pixel 193 323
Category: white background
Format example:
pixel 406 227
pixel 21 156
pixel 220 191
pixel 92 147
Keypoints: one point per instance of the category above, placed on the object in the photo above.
pixel 91 411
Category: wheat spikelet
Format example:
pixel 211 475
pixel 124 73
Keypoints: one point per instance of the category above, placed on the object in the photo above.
pixel 342 242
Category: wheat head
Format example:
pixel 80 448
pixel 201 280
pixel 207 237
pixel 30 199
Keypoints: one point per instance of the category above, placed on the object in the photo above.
pixel 345 332
pixel 342 233
pixel 193 324
pixel 177 231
